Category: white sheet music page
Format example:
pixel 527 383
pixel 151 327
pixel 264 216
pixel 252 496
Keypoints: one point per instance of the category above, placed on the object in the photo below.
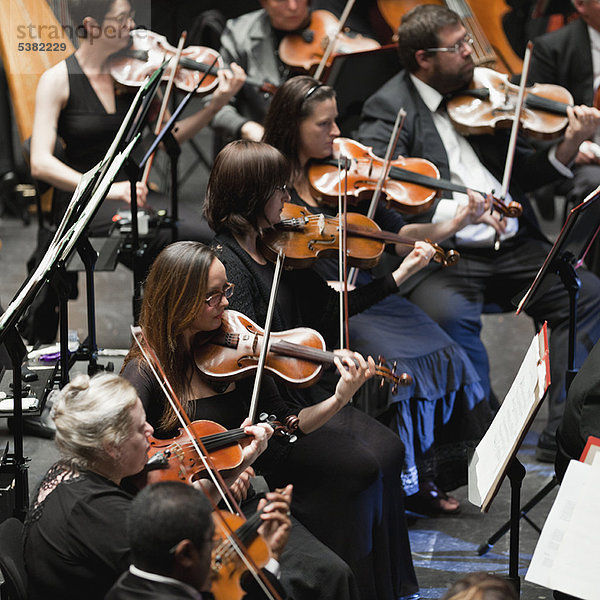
pixel 566 555
pixel 502 439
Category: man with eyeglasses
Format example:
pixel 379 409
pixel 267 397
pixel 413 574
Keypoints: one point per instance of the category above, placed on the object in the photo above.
pixel 170 530
pixel 499 257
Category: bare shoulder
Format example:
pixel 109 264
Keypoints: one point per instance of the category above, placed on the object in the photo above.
pixel 53 86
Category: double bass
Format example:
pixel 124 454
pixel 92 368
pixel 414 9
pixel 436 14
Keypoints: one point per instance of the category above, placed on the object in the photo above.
pixel 482 20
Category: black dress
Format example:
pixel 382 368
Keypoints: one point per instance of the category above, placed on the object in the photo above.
pixel 309 570
pixel 347 474
pixel 442 415
pixel 75 543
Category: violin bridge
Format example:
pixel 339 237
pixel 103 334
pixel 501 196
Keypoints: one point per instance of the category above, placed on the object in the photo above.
pixel 321 223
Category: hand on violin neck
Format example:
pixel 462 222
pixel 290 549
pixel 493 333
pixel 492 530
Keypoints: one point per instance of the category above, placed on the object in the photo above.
pixel 354 370
pixel 418 258
pixel 276 519
pixel 230 83
pixel 256 444
pixel 583 122
pixel 473 210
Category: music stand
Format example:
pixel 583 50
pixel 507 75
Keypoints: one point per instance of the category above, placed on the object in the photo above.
pixel 567 254
pixel 570 249
pixel 345 73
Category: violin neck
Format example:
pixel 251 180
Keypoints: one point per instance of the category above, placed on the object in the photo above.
pixel 219 440
pixel 531 101
pixel 541 103
pixel 323 357
pixel 425 181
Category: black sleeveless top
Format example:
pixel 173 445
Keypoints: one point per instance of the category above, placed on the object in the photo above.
pixel 84 125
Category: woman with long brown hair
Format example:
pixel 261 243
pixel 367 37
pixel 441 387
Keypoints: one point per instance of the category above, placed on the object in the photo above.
pixel 443 413
pixel 186 294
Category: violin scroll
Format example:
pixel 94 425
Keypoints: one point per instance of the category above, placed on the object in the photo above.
pixel 387 373
pixel 443 257
pixel 286 430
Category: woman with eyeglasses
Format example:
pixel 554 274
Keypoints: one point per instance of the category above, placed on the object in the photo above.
pixel 443 413
pixel 185 296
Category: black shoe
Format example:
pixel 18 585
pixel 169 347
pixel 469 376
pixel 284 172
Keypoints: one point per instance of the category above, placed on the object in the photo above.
pixel 546 448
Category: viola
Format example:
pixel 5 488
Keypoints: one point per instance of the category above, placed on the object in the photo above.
pixel 227 567
pixel 304 237
pixel 410 187
pixel 295 356
pixel 149 50
pixel 490 103
pixel 303 51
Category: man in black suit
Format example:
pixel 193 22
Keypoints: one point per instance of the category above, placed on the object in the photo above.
pixel 570 57
pixel 499 258
pixel 170 530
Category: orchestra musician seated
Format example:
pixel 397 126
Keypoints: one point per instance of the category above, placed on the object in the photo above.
pixel 499 258
pixel 171 533
pixel 75 544
pixel 79 109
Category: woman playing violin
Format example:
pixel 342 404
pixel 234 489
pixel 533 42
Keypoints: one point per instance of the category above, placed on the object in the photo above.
pixel 186 294
pixel 78 106
pixel 346 473
pixel 77 102
pixel 446 388
pixel 75 544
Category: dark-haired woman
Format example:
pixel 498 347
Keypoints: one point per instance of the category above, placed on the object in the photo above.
pixel 347 473
pixel 443 412
pixel 79 109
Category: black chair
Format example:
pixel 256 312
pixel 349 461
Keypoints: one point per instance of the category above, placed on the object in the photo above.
pixel 12 564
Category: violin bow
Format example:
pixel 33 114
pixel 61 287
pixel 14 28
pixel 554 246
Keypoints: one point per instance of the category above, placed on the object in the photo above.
pixel 512 144
pixel 161 377
pixel 392 143
pixel 266 335
pixel 333 40
pixel 343 253
pixel 165 101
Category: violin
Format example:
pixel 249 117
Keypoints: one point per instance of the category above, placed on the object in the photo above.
pixel 411 186
pixel 295 356
pixel 176 459
pixel 148 50
pixel 363 170
pixel 303 51
pixel 303 237
pixel 227 567
pixel 490 103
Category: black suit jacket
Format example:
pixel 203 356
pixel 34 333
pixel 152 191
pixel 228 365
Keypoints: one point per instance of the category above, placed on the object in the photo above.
pixel 564 57
pixel 132 587
pixel 419 138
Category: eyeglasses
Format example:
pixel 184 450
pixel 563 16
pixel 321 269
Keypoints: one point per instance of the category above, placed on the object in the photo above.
pixel 466 42
pixel 122 18
pixel 282 188
pixel 215 299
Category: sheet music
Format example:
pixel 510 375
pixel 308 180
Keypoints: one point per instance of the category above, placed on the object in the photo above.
pixel 566 555
pixel 501 440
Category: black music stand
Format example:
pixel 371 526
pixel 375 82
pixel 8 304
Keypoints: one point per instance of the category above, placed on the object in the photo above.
pixel 357 76
pixel 567 254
